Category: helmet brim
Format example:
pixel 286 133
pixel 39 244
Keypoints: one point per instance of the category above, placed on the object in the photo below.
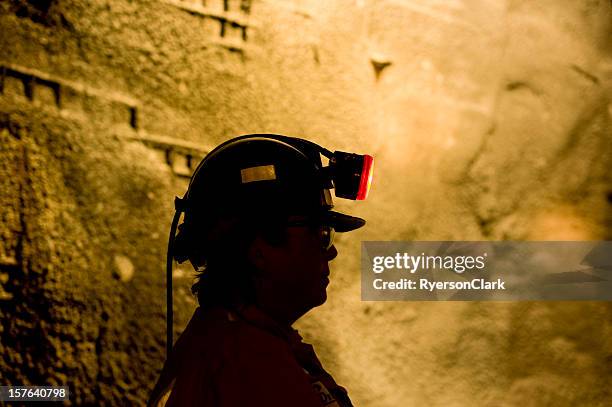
pixel 341 222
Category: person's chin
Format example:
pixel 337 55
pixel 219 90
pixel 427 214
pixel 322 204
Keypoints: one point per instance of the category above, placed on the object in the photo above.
pixel 322 297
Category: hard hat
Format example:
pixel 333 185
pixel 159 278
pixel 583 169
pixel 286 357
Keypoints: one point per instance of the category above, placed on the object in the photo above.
pixel 260 175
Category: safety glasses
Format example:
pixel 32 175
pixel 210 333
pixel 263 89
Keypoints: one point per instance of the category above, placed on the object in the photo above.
pixel 326 232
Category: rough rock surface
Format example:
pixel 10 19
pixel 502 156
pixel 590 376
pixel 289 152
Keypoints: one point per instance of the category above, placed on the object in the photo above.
pixel 489 119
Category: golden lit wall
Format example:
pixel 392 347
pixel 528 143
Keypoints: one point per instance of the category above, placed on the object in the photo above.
pixel 488 120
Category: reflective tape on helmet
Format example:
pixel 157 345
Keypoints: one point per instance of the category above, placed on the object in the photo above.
pixel 259 173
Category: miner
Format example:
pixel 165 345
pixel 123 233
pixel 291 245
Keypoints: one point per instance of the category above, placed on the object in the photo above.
pixel 258 228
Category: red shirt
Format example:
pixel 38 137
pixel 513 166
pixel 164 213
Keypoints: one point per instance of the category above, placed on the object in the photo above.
pixel 240 359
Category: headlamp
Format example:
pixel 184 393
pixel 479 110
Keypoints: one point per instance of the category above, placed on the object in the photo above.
pixel 352 174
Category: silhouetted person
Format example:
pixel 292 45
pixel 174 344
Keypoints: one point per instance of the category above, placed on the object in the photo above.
pixel 258 228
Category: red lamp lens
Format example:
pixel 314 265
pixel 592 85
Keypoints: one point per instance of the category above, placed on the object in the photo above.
pixel 366 177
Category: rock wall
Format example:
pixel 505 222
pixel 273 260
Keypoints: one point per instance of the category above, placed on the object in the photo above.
pixel 489 119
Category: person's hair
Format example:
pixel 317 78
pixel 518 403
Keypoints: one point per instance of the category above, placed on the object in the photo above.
pixel 218 249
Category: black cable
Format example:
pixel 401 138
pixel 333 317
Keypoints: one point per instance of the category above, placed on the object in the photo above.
pixel 169 263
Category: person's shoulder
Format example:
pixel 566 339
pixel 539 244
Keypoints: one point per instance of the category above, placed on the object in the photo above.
pixel 233 351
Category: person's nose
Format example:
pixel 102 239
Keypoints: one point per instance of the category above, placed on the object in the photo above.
pixel 331 253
